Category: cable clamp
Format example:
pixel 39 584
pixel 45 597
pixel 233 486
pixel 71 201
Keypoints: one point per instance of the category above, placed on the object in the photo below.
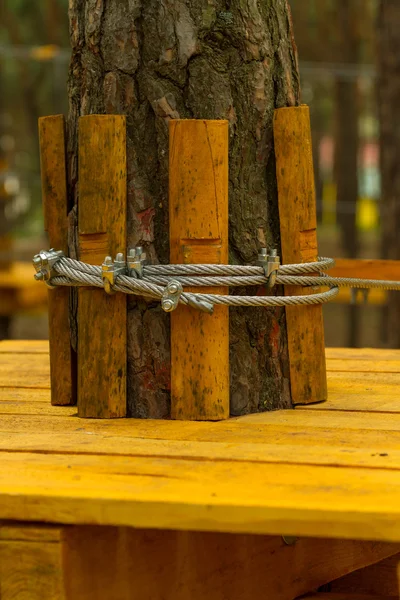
pixel 136 262
pixel 110 271
pixel 270 263
pixel 44 265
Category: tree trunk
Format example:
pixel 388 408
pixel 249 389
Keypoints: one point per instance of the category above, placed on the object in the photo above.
pixel 156 60
pixel 388 101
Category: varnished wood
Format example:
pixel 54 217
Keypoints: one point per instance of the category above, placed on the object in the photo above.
pixel 198 198
pixel 55 205
pixel 31 563
pixel 307 472
pixel 375 580
pixel 297 217
pixel 171 565
pixel 102 231
pixel 366 268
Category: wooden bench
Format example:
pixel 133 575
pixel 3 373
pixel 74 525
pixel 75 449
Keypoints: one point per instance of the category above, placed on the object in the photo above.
pixel 176 510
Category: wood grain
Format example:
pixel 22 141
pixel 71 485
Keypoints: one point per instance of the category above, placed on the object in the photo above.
pixel 375 580
pixel 297 216
pixel 170 565
pixel 55 205
pixel 30 563
pixel 198 198
pixel 102 231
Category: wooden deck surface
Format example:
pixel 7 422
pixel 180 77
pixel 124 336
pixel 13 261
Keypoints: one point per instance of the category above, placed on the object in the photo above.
pixel 330 470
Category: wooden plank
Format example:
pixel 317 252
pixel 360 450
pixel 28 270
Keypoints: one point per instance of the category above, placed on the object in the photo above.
pixel 28 370
pixel 366 268
pixel 373 354
pixel 26 532
pixel 182 494
pixel 30 564
pixel 198 198
pixel 55 206
pixel 102 231
pixel 375 580
pixel 297 216
pixel 12 394
pixel 363 366
pixel 24 347
pixel 171 565
pixel 363 392
pixel 345 596
pixel 373 450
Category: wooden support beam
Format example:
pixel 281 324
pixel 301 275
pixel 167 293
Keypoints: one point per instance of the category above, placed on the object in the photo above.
pixel 171 565
pixel 198 198
pixel 55 204
pixel 102 232
pixel 379 579
pixel 297 215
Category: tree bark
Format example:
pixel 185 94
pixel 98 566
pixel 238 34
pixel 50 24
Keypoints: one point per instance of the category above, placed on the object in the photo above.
pixel 388 101
pixel 156 60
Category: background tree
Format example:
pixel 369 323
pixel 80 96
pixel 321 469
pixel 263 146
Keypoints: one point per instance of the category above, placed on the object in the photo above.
pixel 388 100
pixel 157 60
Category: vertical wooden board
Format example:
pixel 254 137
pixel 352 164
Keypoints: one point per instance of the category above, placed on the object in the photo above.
pixel 55 204
pixel 297 215
pixel 102 231
pixel 198 199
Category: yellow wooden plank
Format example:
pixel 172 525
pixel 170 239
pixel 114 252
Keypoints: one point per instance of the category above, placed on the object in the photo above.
pixel 195 495
pixel 379 450
pixel 366 268
pixel 27 370
pixel 53 163
pixel 198 217
pixel 363 366
pixel 9 407
pixel 322 419
pixel 24 346
pixel 363 353
pixel 102 340
pixel 364 392
pixel 18 394
pixel 298 233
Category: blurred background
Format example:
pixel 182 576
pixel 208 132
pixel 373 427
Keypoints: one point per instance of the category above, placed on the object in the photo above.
pixel 337 43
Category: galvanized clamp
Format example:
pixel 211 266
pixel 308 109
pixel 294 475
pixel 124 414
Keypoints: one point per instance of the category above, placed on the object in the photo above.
pixel 136 262
pixel 171 295
pixel 270 263
pixel 110 271
pixel 44 265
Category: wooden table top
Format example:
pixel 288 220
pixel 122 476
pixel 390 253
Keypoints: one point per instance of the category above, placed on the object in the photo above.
pixel 329 470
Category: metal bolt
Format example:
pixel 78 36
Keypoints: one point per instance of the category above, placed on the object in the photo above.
pixel 119 257
pixel 168 305
pixel 131 253
pixel 37 260
pixel 39 276
pixel 173 288
pixel 289 540
pixel 263 252
pixel 138 251
pixel 274 252
pixel 108 260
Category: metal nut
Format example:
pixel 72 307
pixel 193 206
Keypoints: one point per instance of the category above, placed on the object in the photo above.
pixel 168 305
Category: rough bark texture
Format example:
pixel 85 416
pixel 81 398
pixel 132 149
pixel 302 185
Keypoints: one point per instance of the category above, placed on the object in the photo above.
pixel 156 60
pixel 389 100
